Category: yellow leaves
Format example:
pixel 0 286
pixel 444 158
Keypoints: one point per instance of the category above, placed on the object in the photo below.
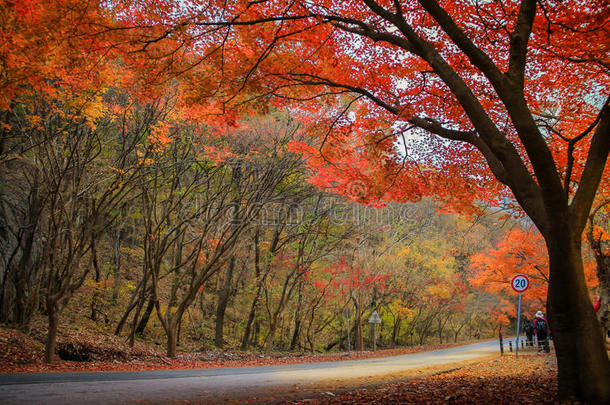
pixel 129 286
pixel 119 171
pixel 399 307
pixel 439 290
pixel 160 136
pixel 93 110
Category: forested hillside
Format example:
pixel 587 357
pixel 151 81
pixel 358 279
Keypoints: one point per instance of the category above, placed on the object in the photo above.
pixel 254 175
pixel 214 237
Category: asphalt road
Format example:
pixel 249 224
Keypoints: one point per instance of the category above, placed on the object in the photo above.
pixel 220 384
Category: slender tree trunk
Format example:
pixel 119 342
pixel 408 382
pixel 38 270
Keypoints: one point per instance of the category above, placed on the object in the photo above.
pixel 125 316
pixel 133 302
pixel 96 269
pixel 172 339
pixel 584 369
pixel 297 320
pixel 53 318
pixel 295 334
pixel 359 326
pixel 145 317
pixel 251 315
pixel 116 253
pixel 396 330
pixel 223 299
pixel 132 332
pixel 256 333
pixel 272 329
pixel 440 332
pixel 260 280
pixel 457 332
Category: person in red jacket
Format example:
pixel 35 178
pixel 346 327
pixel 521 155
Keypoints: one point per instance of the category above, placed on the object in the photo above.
pixel 598 304
pixel 541 329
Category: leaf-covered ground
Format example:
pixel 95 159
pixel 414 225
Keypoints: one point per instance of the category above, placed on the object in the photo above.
pixel 527 380
pixel 21 353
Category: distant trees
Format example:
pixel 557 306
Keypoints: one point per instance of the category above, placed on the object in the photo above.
pixel 166 229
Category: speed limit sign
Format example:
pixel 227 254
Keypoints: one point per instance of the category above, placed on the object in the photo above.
pixel 520 283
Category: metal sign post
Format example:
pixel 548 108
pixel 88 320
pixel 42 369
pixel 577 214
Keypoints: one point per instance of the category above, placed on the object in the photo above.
pixel 518 326
pixel 519 283
pixel 374 319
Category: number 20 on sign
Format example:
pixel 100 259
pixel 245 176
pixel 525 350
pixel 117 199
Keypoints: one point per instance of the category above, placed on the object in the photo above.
pixel 519 283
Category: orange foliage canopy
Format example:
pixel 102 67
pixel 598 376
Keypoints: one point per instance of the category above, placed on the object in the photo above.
pixel 359 77
pixel 520 252
pixel 376 79
pixel 354 71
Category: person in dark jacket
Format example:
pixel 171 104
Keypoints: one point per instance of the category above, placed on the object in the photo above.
pixel 528 328
pixel 541 329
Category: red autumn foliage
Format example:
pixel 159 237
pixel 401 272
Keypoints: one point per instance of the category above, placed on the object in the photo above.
pixel 520 252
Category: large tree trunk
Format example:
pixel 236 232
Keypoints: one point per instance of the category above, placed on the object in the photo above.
pixel 584 369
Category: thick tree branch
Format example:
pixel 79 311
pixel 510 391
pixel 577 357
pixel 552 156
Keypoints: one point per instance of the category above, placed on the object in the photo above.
pixel 471 137
pixel 526 193
pixel 375 35
pixel 521 182
pixel 592 173
pixel 476 56
pixel 511 94
pixel 519 39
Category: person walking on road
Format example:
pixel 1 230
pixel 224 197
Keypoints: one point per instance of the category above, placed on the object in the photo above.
pixel 528 328
pixel 541 329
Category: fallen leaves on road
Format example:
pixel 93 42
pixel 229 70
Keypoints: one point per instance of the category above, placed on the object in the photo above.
pixel 506 380
pixel 23 353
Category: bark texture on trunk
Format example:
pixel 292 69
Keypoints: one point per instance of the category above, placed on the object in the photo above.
pixel 584 369
pixel 172 339
pixel 53 318
pixel 145 317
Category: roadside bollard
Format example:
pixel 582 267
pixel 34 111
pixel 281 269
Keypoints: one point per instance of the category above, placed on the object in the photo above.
pixel 510 345
pixel 501 344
